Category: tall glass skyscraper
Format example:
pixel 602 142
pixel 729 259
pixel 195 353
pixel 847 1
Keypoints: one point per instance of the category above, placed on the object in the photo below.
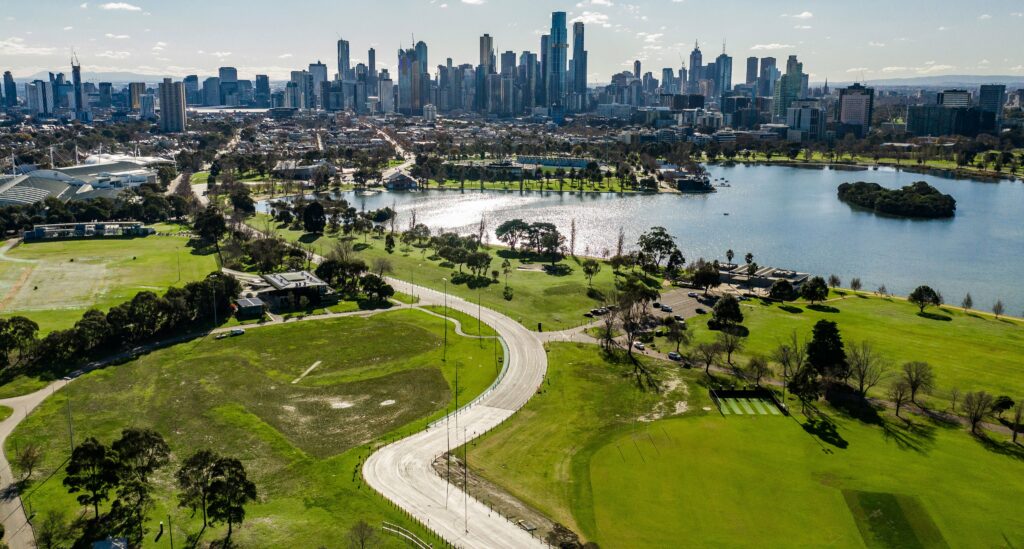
pixel 559 43
pixel 579 59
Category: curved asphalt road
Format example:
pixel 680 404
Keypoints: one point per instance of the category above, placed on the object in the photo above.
pixel 402 471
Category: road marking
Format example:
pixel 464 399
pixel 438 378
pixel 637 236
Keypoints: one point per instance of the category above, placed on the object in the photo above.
pixel 306 373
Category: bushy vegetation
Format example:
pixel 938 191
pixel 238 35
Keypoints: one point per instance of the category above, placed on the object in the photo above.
pixel 145 203
pixel 919 199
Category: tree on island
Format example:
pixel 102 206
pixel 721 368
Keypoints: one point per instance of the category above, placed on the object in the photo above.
pixel 923 296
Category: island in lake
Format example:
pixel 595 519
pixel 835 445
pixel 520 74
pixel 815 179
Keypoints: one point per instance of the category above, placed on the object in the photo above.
pixel 918 200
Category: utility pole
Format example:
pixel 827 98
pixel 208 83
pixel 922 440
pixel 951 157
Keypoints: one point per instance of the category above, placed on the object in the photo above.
pixel 447 458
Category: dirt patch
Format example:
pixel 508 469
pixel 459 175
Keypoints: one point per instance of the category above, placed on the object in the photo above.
pixel 674 403
pixel 341 404
pixel 387 402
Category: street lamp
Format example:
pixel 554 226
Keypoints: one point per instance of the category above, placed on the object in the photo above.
pixel 445 355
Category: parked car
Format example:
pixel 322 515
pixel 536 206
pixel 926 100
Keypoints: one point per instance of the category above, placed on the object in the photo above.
pixel 701 311
pixel 237 332
pixel 692 294
pixel 656 305
pixel 672 355
pixel 666 308
pixel 588 315
pixel 639 346
pixel 679 318
pixel 222 336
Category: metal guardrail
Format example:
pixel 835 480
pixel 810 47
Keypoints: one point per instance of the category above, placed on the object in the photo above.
pixel 405 534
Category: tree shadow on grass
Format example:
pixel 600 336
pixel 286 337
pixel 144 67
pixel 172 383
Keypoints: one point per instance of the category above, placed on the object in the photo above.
pixel 909 435
pixel 850 404
pixel 309 238
pixel 558 269
pixel 823 308
pixel 791 309
pixel 935 316
pixel 825 429
pixel 1001 447
pixel 361 246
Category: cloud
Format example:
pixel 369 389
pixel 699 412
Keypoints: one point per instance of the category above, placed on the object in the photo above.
pixel 68 28
pixel 16 46
pixel 84 5
pixel 285 56
pixel 984 17
pixel 943 29
pixel 935 68
pixel 443 6
pixel 859 69
pixel 592 18
pixel 874 44
pixel 1017 14
pixel 114 54
pixel 772 46
pixel 895 69
pixel 650 38
pixel 801 15
pixel 221 54
pixel 119 6
pixel 117 36
pixel 802 27
pixel 473 2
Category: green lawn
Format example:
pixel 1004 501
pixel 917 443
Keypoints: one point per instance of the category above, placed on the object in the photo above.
pixel 5 412
pixel 968 351
pixel 302 439
pixel 578 453
pixel 557 301
pixel 199 177
pixel 609 185
pixel 53 283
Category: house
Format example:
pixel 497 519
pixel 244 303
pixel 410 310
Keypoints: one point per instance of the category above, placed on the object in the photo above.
pixel 250 307
pixel 285 291
pixel 399 181
pixel 102 229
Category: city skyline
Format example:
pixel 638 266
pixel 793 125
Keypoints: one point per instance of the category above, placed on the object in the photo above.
pixel 158 40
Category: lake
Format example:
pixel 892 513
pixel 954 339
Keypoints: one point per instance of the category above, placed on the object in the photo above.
pixel 787 217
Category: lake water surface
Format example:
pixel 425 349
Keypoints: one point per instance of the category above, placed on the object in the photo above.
pixel 787 217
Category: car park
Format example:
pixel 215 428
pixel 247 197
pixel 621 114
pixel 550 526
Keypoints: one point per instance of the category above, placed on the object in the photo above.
pixel 672 355
pixel 639 346
pixel 700 311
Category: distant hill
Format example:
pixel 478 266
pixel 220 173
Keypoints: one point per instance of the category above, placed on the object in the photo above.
pixel 949 81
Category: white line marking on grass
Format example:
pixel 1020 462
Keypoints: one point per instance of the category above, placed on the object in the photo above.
pixel 759 406
pixel 746 406
pixel 735 407
pixel 306 373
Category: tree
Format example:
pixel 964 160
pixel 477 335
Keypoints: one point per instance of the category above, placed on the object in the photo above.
pixel 867 367
pixel 657 245
pixel 899 394
pixel 826 353
pixel 1001 404
pixel 758 369
pixel 210 225
pixel 230 490
pixel 512 231
pixel 194 481
pixel 590 269
pixel 1018 415
pixel 27 457
pixel 976 406
pixel 997 309
pixel 706 277
pixel 814 290
pixel 376 288
pixel 782 290
pixel 729 254
pixel 678 334
pixel 726 312
pixel 709 354
pixel 923 296
pixel 954 395
pixel 17 334
pixel 919 377
pixel 968 302
pixel 53 531
pixel 729 343
pixel 791 355
pixel 313 218
pixel 92 470
pixel 834 281
pixel 855 284
pixel 362 536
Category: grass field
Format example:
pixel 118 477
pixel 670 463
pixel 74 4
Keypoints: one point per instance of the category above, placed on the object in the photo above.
pixel 582 453
pixel 556 301
pixel 608 185
pixel 301 437
pixel 818 157
pixel 53 283
pixel 968 351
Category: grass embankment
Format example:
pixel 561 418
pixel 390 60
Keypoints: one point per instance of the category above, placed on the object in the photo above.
pixel 558 301
pixel 302 438
pixel 968 351
pixel 608 185
pixel 53 283
pixel 578 453
pixel 818 157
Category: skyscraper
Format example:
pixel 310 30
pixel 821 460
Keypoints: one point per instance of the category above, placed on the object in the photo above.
pixel 344 60
pixel 766 82
pixel 992 98
pixel 386 92
pixel 696 68
pixel 856 104
pixel 408 82
pixel 487 53
pixel 371 73
pixel 751 70
pixel 788 88
pixel 318 71
pixel 723 73
pixel 191 83
pixel 262 95
pixel 636 68
pixel 228 85
pixel 421 58
pixel 559 43
pixel 579 59
pixel 545 53
pixel 135 92
pixel 172 106
pixel 10 91
pixel 76 80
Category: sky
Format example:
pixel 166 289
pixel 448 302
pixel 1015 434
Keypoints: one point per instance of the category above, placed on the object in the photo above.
pixel 861 40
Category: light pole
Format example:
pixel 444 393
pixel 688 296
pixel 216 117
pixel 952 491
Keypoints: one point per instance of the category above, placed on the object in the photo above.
pixel 445 355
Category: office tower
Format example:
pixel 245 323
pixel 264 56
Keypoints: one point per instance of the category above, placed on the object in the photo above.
pixel 39 95
pixel 409 83
pixel 192 96
pixel 421 58
pixel 954 98
pixel 262 96
pixel 992 98
pixel 487 53
pixel 579 59
pixel 147 107
pixel 766 82
pixel 105 97
pixel 751 70
pixel 318 71
pixel 386 92
pixel 303 81
pixel 806 118
pixel 228 85
pixel 723 73
pixel 508 64
pixel 371 74
pixel 211 91
pixel 559 44
pixel 636 68
pixel 545 52
pixel 135 92
pixel 76 79
pixel 787 90
pixel 10 91
pixel 696 69
pixel 172 106
pixel 344 60
pixel 856 104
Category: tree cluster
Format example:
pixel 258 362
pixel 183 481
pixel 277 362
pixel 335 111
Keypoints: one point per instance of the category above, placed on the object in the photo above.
pixel 918 200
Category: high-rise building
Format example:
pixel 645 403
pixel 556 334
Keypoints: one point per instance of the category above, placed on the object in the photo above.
pixel 856 105
pixel 344 60
pixel 769 74
pixel 545 54
pixel 421 59
pixel 371 73
pixel 10 91
pixel 39 95
pixel 386 92
pixel 318 71
pixel 579 59
pixel 135 92
pixel 303 81
pixel 192 96
pixel 409 85
pixel 172 106
pixel 806 120
pixel 487 53
pixel 992 98
pixel 211 91
pixel 228 85
pixel 76 80
pixel 559 44
pixel 722 73
pixel 636 68
pixel 105 97
pixel 696 68
pixel 787 90
pixel 751 70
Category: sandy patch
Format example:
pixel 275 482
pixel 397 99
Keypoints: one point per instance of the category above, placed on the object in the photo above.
pixel 288 408
pixel 341 404
pixel 387 402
